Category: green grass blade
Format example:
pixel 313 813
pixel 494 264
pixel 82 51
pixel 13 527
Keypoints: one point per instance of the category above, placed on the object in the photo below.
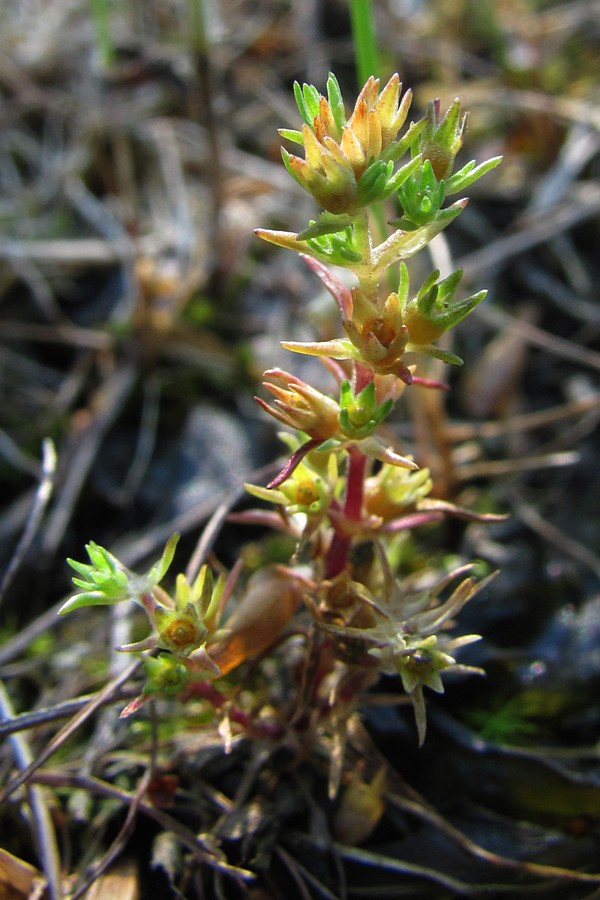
pixel 365 40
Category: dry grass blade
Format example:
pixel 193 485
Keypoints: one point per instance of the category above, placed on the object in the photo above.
pixel 307 883
pixel 497 467
pixel 120 882
pixel 109 400
pixel 537 337
pixel 187 837
pixel 407 799
pixel 425 813
pixel 108 692
pixel 563 542
pixel 19 880
pixel 119 842
pixel 41 500
pixel 524 421
pixel 535 229
pixel 34 719
pixel 42 820
pixel 384 863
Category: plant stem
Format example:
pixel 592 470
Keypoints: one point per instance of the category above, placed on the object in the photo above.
pixel 357 462
pixel 365 41
pixel 101 15
pixel 337 556
pixel 364 270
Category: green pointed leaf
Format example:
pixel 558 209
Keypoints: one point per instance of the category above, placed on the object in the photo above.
pixel 402 175
pixel 86 598
pixel 327 223
pixel 311 101
pixel 291 134
pixel 470 173
pixel 329 445
pixel 301 104
pixel 336 102
pixel 403 285
pixel 428 284
pixel 349 255
pixel 83 568
pixel 410 140
pixel 158 571
pixel 437 353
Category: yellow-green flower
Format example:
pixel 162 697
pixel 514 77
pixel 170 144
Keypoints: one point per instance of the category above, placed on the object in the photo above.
pixel 309 488
pixel 392 490
pixel 339 151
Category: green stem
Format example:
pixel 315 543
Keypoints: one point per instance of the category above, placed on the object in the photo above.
pixel 101 15
pixel 365 40
pixel 367 275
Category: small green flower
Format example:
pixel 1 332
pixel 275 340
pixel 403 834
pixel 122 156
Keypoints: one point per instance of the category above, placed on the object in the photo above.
pixel 435 310
pixel 181 631
pixel 418 660
pixel 391 490
pixel 349 162
pixel 360 414
pixel 309 489
pixel 421 197
pixel 441 139
pixel 107 581
pixel 183 625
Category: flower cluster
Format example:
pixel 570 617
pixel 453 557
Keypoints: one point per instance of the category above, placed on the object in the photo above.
pixel 401 630
pixel 181 625
pixel 349 162
pixel 372 491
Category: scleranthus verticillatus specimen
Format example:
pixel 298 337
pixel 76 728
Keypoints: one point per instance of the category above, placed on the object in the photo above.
pixel 346 492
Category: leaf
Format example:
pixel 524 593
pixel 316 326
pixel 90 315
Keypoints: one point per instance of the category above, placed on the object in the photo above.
pixel 86 598
pixel 327 223
pixel 291 134
pixel 336 101
pixel 470 173
pixel 158 571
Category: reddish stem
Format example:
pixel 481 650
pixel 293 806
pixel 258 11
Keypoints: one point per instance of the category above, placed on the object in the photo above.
pixel 293 462
pixel 337 556
pixel 363 375
pixel 355 481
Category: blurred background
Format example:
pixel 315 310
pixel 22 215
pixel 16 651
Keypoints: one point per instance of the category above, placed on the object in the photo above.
pixel 138 151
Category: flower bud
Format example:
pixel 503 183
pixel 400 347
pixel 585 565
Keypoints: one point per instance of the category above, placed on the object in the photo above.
pixel 440 141
pixel 360 414
pixel 338 151
pixel 300 406
pixel 166 674
pixel 434 310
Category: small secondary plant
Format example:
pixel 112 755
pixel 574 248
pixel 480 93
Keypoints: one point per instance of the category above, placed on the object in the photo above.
pixel 338 614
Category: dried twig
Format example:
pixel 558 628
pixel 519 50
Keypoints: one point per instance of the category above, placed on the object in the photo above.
pixel 42 819
pixel 42 497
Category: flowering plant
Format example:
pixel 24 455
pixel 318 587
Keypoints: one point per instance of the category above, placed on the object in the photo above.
pixel 346 485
